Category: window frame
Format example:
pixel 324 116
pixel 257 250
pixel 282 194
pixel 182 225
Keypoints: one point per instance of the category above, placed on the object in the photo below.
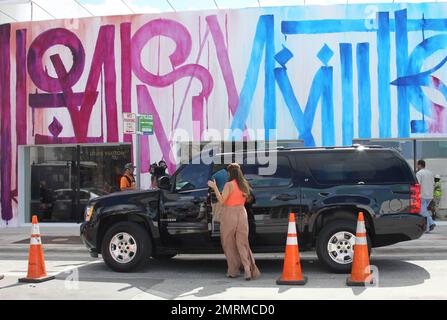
pixel 291 168
pixel 402 163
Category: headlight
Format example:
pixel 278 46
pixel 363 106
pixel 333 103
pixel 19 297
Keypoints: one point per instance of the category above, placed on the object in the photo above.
pixel 88 213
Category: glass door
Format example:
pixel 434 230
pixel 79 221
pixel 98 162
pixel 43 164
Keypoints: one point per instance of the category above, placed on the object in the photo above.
pixel 64 179
pixel 53 179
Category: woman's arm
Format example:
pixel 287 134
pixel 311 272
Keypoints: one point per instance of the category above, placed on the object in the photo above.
pixel 226 192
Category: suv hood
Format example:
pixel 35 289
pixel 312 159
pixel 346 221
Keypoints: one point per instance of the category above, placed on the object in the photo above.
pixel 124 194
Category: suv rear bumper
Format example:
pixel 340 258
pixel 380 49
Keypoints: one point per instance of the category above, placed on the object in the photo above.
pixel 390 229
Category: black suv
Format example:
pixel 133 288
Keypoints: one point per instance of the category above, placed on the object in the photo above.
pixel 325 187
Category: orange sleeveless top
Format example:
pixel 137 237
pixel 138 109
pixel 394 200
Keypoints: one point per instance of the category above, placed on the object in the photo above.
pixel 236 197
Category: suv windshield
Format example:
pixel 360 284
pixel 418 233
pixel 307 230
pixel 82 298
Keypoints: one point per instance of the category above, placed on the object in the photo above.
pixel 352 167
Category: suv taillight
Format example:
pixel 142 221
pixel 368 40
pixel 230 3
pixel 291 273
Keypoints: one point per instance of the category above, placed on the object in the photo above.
pixel 415 198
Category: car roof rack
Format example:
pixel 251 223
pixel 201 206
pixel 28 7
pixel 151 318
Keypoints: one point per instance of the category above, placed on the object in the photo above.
pixel 371 146
pixel 279 148
pixel 331 148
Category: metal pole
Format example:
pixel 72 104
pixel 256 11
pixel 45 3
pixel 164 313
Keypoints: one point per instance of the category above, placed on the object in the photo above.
pixel 414 155
pixel 138 160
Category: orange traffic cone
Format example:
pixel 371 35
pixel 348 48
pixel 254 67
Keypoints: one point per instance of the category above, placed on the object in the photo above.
pixel 361 271
pixel 36 261
pixel 291 273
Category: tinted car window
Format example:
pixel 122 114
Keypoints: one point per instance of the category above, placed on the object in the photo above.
pixel 281 177
pixel 192 176
pixel 352 167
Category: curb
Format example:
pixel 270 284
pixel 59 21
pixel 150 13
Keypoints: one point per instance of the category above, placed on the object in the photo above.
pixel 46 248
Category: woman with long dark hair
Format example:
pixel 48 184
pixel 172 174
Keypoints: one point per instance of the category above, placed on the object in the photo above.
pixel 234 224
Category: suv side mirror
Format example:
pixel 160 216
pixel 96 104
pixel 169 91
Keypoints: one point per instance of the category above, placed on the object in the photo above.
pixel 164 183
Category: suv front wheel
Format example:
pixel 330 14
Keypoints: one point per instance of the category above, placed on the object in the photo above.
pixel 126 246
pixel 335 245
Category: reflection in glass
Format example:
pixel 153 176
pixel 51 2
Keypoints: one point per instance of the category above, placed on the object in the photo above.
pixel 64 179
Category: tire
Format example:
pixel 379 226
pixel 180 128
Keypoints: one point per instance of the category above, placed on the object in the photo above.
pixel 136 256
pixel 332 259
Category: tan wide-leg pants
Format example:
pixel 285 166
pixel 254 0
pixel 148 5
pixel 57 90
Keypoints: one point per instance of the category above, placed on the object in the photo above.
pixel 234 239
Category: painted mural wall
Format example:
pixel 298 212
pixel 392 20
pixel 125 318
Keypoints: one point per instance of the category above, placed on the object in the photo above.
pixel 324 74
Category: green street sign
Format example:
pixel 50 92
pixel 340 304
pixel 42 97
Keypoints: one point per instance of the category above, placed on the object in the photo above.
pixel 145 124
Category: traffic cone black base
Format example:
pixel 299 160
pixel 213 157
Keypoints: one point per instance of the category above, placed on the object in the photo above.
pixel 351 283
pixel 38 280
pixel 357 284
pixel 292 282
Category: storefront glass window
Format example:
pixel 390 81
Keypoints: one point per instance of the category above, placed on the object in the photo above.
pixel 435 155
pixel 64 179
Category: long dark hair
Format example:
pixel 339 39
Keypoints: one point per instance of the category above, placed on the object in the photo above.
pixel 235 173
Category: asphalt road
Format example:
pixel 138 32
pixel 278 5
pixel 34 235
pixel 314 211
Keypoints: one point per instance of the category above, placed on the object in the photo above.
pixel 410 270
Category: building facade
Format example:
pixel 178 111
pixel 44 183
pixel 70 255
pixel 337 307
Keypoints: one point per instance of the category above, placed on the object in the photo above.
pixel 322 74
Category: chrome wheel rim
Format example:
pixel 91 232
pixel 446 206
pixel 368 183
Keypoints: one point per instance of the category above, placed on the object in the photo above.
pixel 340 247
pixel 123 247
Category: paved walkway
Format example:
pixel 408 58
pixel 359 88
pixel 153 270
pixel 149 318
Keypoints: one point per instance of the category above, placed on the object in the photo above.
pixel 409 270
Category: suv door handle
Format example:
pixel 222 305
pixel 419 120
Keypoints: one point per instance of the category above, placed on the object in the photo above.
pixel 286 197
pixel 324 194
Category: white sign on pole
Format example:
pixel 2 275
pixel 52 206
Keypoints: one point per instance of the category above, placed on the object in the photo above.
pixel 129 123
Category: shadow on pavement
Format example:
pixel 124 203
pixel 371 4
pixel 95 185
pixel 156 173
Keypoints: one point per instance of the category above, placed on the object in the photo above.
pixel 181 277
pixel 17 284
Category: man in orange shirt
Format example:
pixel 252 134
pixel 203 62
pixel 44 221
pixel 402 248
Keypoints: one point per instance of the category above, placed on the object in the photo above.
pixel 127 181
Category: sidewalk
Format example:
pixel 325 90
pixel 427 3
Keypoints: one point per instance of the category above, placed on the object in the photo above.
pixel 442 223
pixel 408 270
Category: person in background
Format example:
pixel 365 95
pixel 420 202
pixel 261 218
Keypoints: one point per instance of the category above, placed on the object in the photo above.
pixel 234 224
pixel 154 182
pixel 157 171
pixel 163 167
pixel 437 194
pixel 426 180
pixel 127 181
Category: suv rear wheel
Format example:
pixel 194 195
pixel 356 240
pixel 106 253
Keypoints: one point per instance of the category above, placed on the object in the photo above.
pixel 335 245
pixel 126 246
